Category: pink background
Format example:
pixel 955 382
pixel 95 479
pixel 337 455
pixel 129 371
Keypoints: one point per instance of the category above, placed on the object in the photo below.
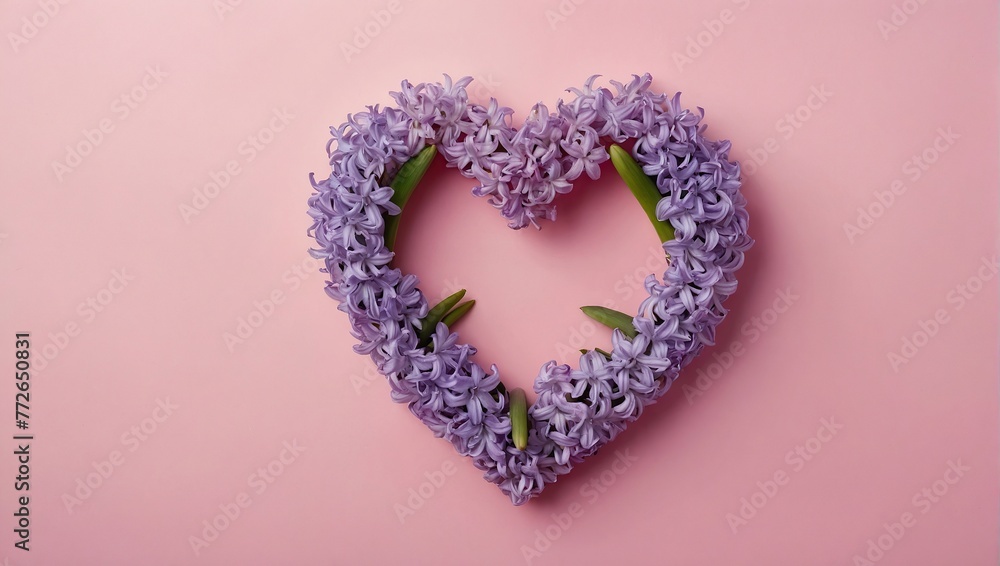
pixel 294 379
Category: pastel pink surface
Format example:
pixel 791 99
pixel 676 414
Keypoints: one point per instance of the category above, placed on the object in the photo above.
pixel 692 459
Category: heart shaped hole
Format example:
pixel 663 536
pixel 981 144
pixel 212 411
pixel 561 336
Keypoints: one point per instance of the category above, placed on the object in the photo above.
pixel 533 282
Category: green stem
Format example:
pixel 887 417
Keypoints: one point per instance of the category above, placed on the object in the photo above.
pixel 403 185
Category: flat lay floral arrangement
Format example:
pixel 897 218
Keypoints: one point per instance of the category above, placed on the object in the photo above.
pixel 683 180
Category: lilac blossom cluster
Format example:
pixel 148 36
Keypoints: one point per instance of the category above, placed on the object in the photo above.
pixel 522 170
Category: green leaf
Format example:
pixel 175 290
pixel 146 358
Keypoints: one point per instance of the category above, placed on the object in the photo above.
pixel 434 316
pixel 403 185
pixel 612 319
pixel 643 187
pixel 519 418
pixel 458 312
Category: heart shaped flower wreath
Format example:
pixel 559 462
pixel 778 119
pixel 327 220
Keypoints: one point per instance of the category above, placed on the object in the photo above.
pixel 698 211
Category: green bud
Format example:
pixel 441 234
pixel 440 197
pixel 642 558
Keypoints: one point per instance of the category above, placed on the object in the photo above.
pixel 519 418
pixel 403 184
pixel 457 313
pixel 434 316
pixel 643 187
